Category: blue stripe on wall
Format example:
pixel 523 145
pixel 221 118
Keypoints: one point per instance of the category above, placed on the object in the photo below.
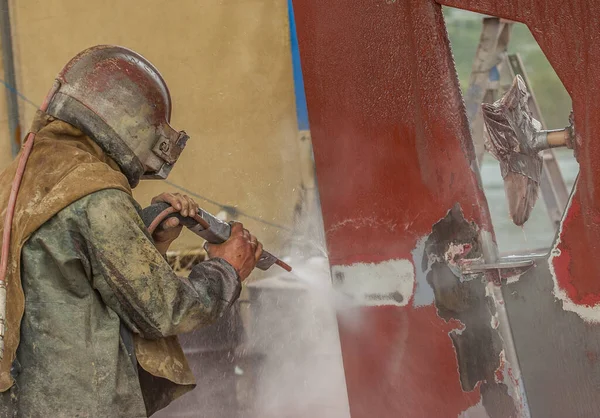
pixel 301 110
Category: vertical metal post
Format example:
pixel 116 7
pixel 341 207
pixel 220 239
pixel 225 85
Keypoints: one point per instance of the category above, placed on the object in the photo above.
pixel 552 185
pixel 10 80
pixel 490 64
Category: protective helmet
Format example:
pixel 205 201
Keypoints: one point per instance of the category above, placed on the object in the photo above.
pixel 120 100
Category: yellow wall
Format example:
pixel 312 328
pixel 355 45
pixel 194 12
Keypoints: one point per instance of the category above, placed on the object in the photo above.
pixel 228 66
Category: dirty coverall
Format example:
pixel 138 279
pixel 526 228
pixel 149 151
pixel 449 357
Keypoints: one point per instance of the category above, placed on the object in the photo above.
pixel 92 278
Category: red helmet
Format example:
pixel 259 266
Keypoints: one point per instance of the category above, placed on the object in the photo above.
pixel 120 100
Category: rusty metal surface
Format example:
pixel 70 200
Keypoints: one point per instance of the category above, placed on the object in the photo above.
pixel 558 28
pixel 394 156
pixel 393 129
pixel 554 308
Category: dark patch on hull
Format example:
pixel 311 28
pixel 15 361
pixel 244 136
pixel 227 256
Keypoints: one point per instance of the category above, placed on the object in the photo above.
pixel 556 348
pixel 478 346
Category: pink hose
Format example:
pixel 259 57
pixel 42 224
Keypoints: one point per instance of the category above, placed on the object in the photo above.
pixel 163 215
pixel 10 212
pixel 16 184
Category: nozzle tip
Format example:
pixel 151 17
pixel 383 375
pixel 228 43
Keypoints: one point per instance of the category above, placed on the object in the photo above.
pixel 284 266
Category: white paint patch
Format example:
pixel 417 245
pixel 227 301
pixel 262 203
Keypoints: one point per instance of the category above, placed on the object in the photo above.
pixel 514 279
pixel 390 283
pixel 489 293
pixel 589 314
pixel 494 322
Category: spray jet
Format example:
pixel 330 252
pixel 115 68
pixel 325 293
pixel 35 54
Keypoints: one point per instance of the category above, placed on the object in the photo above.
pixel 516 139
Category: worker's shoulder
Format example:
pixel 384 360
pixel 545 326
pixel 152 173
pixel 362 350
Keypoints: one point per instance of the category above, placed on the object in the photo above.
pixel 107 196
pixel 102 202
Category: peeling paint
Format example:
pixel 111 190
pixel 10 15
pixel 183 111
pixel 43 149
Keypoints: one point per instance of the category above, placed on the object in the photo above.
pixel 390 283
pixel 430 143
pixel 506 376
pixel 494 322
pixel 500 371
pixel 508 371
pixel 471 304
pixel 590 314
pixel 365 222
pixel 455 255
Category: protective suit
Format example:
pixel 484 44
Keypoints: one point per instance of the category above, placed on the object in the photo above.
pixel 93 307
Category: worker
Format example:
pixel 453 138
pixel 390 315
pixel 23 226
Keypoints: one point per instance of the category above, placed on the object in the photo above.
pixel 93 308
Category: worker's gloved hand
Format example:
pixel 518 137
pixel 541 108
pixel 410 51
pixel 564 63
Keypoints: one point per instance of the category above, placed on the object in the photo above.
pixel 169 230
pixel 242 250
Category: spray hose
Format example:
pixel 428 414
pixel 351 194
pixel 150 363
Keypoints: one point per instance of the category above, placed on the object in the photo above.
pixel 207 226
pixel 10 211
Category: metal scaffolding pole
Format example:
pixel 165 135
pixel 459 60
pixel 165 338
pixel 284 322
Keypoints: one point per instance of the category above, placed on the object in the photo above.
pixel 10 80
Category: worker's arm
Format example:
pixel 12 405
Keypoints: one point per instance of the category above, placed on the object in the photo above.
pixel 242 250
pixel 136 282
pixel 169 230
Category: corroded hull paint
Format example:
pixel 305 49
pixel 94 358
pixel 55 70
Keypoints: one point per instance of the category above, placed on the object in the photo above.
pixel 396 171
